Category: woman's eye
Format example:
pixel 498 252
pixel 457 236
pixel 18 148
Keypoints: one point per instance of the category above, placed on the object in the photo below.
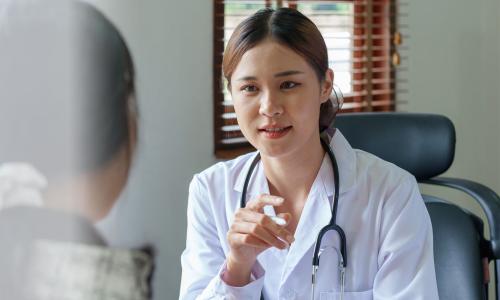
pixel 288 85
pixel 249 88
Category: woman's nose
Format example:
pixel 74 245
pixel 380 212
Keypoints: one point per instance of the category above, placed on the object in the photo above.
pixel 270 106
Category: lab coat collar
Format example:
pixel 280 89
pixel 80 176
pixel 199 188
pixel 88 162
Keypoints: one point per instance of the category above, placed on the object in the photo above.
pixel 346 160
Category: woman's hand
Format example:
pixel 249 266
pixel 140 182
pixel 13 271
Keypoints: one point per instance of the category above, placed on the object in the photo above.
pixel 251 233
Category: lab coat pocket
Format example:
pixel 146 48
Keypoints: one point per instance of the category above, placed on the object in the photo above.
pixel 365 295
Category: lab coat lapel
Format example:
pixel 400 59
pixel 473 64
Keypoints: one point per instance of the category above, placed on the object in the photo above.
pixel 346 161
pixel 317 210
pixel 315 215
pixel 258 182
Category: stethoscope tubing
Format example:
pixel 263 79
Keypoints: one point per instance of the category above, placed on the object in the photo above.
pixel 332 225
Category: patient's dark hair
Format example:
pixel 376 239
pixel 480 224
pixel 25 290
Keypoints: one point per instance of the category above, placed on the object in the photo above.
pixel 290 28
pixel 67 87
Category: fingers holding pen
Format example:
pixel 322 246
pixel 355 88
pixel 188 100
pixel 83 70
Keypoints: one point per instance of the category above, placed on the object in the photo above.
pixel 261 224
pixel 252 227
pixel 277 228
pixel 255 235
pixel 258 203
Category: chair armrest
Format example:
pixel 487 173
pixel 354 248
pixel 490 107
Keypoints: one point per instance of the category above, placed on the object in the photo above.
pixel 487 198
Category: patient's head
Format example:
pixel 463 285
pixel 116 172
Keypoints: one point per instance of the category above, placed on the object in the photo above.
pixel 67 101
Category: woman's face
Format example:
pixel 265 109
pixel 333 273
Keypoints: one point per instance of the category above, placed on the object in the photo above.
pixel 277 97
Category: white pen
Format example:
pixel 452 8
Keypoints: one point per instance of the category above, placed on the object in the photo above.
pixel 269 211
pixel 278 220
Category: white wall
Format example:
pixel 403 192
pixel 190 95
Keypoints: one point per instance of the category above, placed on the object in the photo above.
pixel 454 70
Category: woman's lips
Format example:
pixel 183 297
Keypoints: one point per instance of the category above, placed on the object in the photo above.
pixel 275 132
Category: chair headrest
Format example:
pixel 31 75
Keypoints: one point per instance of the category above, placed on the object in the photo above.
pixel 422 144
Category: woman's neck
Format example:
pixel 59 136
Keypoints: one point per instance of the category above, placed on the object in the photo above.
pixel 291 176
pixel 71 197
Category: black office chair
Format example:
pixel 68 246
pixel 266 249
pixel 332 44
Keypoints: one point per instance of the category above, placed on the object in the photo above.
pixel 424 145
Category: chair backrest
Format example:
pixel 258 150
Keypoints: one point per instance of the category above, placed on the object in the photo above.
pixel 459 268
pixel 424 145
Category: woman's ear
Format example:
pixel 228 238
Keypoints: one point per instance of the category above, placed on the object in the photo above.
pixel 327 86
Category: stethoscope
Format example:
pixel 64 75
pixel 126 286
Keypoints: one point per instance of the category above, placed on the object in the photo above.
pixel 318 251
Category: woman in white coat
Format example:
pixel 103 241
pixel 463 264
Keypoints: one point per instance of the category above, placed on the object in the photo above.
pixel 276 65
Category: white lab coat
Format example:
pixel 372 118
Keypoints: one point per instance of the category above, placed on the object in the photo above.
pixel 388 231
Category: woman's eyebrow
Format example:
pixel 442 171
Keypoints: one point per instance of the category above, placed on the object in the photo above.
pixel 245 78
pixel 280 74
pixel 287 73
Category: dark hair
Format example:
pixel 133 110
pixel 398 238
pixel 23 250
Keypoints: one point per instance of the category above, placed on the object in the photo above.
pixel 290 28
pixel 67 86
